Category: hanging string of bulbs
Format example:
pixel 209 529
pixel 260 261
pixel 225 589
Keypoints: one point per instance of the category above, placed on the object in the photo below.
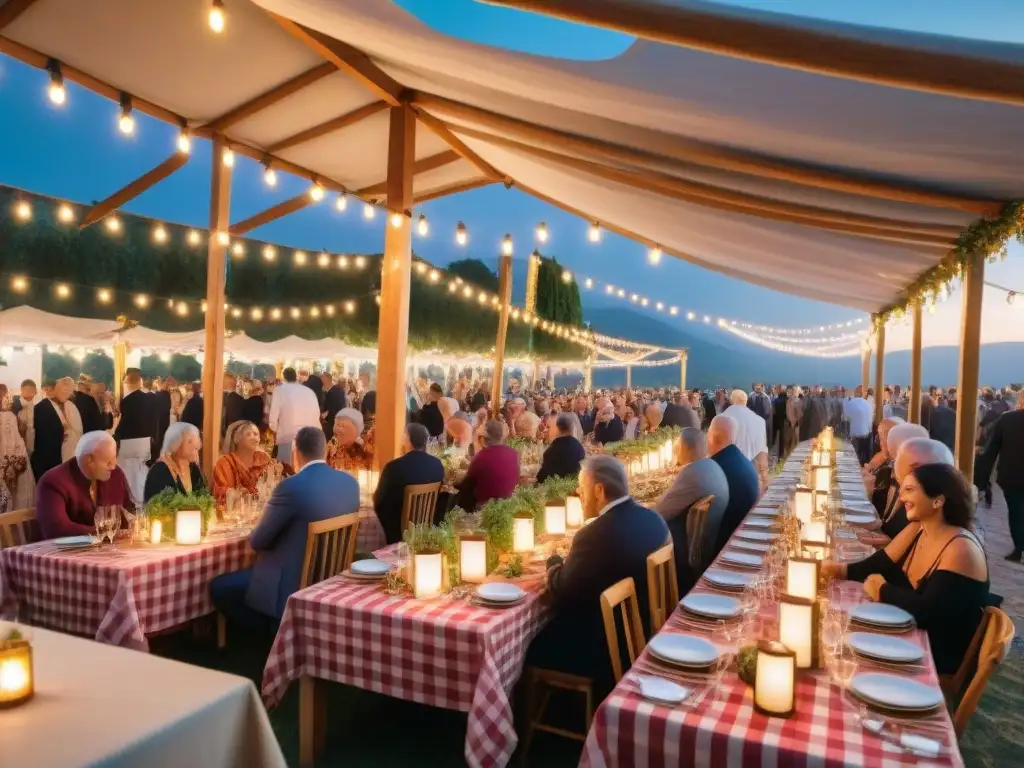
pixel 1011 295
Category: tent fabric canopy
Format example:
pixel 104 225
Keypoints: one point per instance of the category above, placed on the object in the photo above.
pixel 815 184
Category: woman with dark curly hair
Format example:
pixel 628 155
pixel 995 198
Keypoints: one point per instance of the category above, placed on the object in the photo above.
pixel 935 570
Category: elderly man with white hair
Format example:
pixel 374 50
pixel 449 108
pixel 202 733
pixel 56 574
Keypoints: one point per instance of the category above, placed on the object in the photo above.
pixel 913 450
pixel 752 432
pixel 744 486
pixel 67 495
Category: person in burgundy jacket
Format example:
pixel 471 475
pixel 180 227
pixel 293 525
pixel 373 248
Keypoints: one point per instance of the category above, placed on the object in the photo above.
pixel 494 471
pixel 68 494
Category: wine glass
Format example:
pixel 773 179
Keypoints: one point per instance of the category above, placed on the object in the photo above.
pixel 831 635
pixel 113 522
pixel 99 520
pixel 842 666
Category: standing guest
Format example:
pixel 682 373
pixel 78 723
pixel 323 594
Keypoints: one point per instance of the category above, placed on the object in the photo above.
pixel 58 427
pixel 584 415
pixel 563 457
pixel 234 403
pixel 761 404
pixel 134 435
pixel 1005 453
pixel 24 408
pixel 928 406
pixel 254 598
pixel 739 474
pixel 334 401
pixel 316 385
pixel 17 484
pixel 162 410
pixel 943 424
pixel 794 417
pixel 178 466
pixel 68 494
pixel 815 416
pixel 698 478
pixel 678 413
pixel 192 413
pixel 608 428
pixel 293 406
pixel 613 546
pixel 752 434
pixel 252 410
pixel 778 438
pixel 88 408
pixel 430 415
pixel 494 471
pixel 177 405
pixel 414 467
pixel 630 424
pixel 242 463
pixel 652 417
pixel 857 412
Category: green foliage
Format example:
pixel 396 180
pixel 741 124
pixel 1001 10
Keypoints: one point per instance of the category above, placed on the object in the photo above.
pixel 628 449
pixel 496 520
pixel 514 568
pixel 475 272
pixel 559 487
pixel 746 664
pixel 165 504
pixel 558 301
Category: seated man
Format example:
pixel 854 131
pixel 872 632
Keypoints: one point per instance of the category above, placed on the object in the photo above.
pixel 911 454
pixel 891 514
pixel 68 494
pixel 415 467
pixel 740 475
pixel 699 477
pixel 562 458
pixel 254 598
pixel 612 547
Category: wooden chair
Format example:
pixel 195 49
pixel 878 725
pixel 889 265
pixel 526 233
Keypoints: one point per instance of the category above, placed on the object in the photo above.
pixel 623 596
pixel 19 527
pixel 419 504
pixel 987 650
pixel 662 585
pixel 702 545
pixel 541 683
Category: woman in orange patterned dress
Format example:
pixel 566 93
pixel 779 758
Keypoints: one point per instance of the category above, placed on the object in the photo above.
pixel 349 450
pixel 242 464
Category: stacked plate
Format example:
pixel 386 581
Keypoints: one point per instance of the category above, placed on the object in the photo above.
pixel 859 518
pixel 751 546
pixel 895 693
pixel 499 594
pixel 881 616
pixel 368 570
pixel 687 651
pixel 742 559
pixel 886 648
pixel 730 580
pixel 758 522
pixel 765 511
pixel 709 606
pixel 755 535
pixel 74 542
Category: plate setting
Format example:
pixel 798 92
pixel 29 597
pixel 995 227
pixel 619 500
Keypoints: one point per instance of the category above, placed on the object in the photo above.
pixel 881 615
pixel 370 568
pixel 742 559
pixel 886 648
pixel 896 693
pixel 498 594
pixel 683 650
pixel 732 580
pixel 711 606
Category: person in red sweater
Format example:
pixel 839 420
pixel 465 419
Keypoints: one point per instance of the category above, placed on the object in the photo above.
pixel 494 471
pixel 68 494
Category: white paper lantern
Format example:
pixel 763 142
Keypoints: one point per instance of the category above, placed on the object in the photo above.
pixel 573 512
pixel 522 533
pixel 427 571
pixel 188 526
pixel 473 558
pixel 775 680
pixel 555 517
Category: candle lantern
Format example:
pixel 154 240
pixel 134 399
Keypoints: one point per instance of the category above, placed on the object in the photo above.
pixel 823 479
pixel 653 460
pixel 555 517
pixel 825 439
pixel 775 680
pixel 814 533
pixel 473 557
pixel 821 499
pixel 522 532
pixel 427 574
pixel 573 512
pixel 803 503
pixel 802 577
pixel 156 531
pixel 666 453
pixel 798 629
pixel 188 526
pixel 17 684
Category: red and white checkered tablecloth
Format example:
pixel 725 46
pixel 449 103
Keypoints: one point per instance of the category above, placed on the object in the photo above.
pixel 444 653
pixel 725 730
pixel 116 596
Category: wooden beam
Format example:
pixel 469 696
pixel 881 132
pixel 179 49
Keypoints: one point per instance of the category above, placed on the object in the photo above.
pixel 970 361
pixel 505 297
pixel 269 98
pixel 395 285
pixel 456 143
pixel 425 165
pixel 272 213
pixel 135 188
pixel 350 60
pixel 334 124
pixel 936 237
pixel 914 416
pixel 710 156
pixel 879 374
pixel 683 355
pixel 865 370
pixel 629 377
pixel 215 320
pixel 12 9
pixel 452 189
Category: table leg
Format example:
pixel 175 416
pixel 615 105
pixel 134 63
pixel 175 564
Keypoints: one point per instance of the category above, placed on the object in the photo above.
pixel 311 719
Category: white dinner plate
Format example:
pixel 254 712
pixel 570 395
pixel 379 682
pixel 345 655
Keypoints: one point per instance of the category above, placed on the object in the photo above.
pixel 765 511
pixel 370 567
pixel 881 615
pixel 755 535
pixel 859 518
pixel 497 603
pixel 661 690
pixel 746 559
pixel 728 579
pixel 499 592
pixel 857 505
pixel 758 522
pixel 895 692
pixel 751 546
pixel 683 650
pixel 885 647
pixel 712 606
pixel 74 541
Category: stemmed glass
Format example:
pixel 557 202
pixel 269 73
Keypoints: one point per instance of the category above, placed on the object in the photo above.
pixel 842 666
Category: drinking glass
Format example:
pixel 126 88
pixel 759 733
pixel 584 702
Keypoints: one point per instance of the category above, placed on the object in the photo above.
pixel 842 666
pixel 100 521
pixel 113 522
pixel 831 635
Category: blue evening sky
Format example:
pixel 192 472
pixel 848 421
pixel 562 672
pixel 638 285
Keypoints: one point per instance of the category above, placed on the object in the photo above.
pixel 75 152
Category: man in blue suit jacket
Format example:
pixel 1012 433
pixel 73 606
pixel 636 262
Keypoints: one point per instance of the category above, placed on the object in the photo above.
pixel 744 485
pixel 255 597
pixel 415 467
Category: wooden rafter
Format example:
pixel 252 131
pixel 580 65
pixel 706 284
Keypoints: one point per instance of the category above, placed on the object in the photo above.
pixel 12 9
pixel 453 141
pixel 269 98
pixel 272 213
pixel 348 59
pixel 424 165
pixel 451 189
pixel 334 124
pixel 135 188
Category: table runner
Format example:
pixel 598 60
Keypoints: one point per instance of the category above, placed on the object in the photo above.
pixel 724 729
pixel 116 595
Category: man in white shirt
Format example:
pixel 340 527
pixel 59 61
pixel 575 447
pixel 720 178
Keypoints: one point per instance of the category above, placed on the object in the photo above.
pixel 857 411
pixel 751 434
pixel 293 407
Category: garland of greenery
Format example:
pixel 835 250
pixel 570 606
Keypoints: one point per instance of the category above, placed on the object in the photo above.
pixel 987 237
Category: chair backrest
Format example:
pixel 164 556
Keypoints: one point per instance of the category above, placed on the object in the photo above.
pixel 701 544
pixel 418 506
pixel 662 585
pixel 330 547
pixel 995 633
pixel 623 596
pixel 19 527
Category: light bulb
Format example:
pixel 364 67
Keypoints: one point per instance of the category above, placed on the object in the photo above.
pixel 368 211
pixel 270 177
pixel 223 238
pixel 482 298
pixel 314 311
pixel 621 293
pixel 256 314
pixel 236 312
pixel 269 252
pixel 609 289
pixel 126 123
pixel 360 262
pixel 422 227
pixel 643 302
pixel 689 315
pixel 342 262
pixel 19 284
pixel 542 232
pixel 467 291
pixel 141 300
pixel 159 234
pixel 634 298
pixel 329 310
pixel 434 275
pixel 228 158
pixel 566 276
pixel 376 299
pixel 461 235
pixel 299 258
pixel 350 306
pixel 316 193
pixel 323 260
pixel 104 296
pixel 182 309
pixel 65 213
pixel 452 287
pixel 659 306
pixel 194 237
pixel 341 202
pixel 396 220
pixel 238 249
pixel 184 143
pixel 113 224
pixel 588 283
pixel 506 245
pixel 275 314
pixel 654 256
pixel 295 313
pixel 63 290
pixel 707 319
pixel 216 17
pixel 594 233
pixel 23 210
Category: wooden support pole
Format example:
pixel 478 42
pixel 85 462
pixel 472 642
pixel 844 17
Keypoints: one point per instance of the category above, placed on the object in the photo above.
pixel 914 416
pixel 216 285
pixel 683 354
pixel 629 377
pixel 588 376
pixel 970 358
pixel 274 212
pixel 865 369
pixel 879 372
pixel 396 272
pixel 120 368
pixel 504 296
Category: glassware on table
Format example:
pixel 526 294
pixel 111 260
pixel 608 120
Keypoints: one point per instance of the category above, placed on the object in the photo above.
pixel 842 666
pixel 831 635
pixel 99 520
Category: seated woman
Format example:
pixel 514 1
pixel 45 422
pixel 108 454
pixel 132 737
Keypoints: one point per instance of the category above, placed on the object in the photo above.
pixel 242 463
pixel 936 571
pixel 459 430
pixel 178 466
pixel 563 457
pixel 494 471
pixel 347 450
pixel 526 425
pixel 608 428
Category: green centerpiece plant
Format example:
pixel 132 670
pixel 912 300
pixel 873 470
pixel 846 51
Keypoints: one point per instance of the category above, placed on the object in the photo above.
pixel 165 505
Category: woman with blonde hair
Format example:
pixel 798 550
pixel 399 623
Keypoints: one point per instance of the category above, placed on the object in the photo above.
pixel 178 466
pixel 242 462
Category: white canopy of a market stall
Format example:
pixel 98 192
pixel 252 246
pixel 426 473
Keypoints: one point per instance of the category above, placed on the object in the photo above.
pixel 823 186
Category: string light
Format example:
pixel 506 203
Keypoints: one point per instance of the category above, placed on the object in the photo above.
pixel 228 158
pixel 182 309
pixel 659 306
pixel 236 311
pixel 113 224
pixel 588 283
pixel 467 291
pixel 63 290
pixel 396 220
pixel 434 275
pixel 314 311
pixel 104 296
pixel 323 260
pixel 23 210
pixel 566 276
pixel 275 314
pixel 461 235
pixel 594 233
pixel 340 202
pixel 184 142
pixel 295 313
pixel 19 284
pixel 194 238
pixel 452 286
pixel 482 298
pixel 360 262
pixel 299 257
pixel 609 289
pixel 643 302
pixel 269 174
pixel 421 267
pixel 238 248
pixel 422 227
pixel 269 252
pixel 689 315
pixel 316 192
pixel 58 94
pixel 141 300
pixel 223 238
pixel 621 293
pixel 216 18
pixel 256 314
pixel 542 232
pixel 329 310
pixel 126 123
pixel 350 307
pixel 159 234
pixel 654 256
pixel 506 245
pixel 65 213
pixel 634 298
pixel 342 262
pixel 369 211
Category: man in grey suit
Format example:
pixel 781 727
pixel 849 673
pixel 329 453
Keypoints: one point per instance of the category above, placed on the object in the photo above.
pixel 694 539
pixel 254 598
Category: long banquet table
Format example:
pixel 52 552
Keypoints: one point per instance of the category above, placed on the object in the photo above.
pixel 725 730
